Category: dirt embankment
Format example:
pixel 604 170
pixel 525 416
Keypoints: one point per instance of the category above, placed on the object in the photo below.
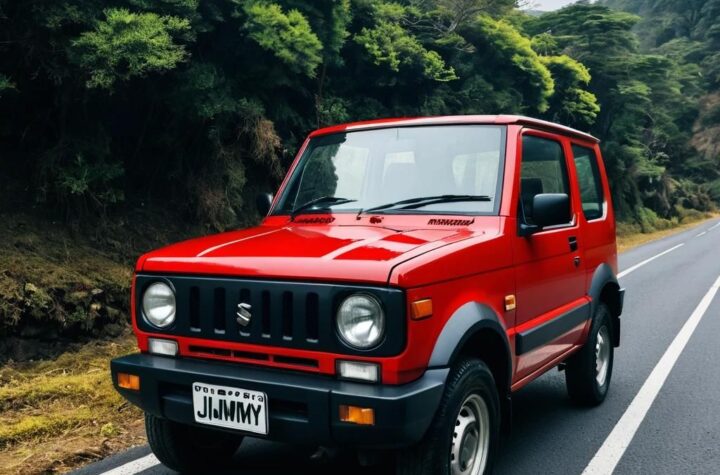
pixel 60 286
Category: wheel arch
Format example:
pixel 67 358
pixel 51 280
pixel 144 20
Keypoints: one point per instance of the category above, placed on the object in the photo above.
pixel 605 288
pixel 469 325
pixel 475 330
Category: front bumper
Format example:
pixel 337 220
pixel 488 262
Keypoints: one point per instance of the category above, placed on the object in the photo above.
pixel 302 408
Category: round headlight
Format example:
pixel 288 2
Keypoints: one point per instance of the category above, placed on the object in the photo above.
pixel 158 304
pixel 361 321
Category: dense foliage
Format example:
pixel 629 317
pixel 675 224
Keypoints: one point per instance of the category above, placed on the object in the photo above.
pixel 197 105
pixel 689 34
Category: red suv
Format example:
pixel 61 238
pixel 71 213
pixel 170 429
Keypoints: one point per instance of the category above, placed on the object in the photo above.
pixel 409 276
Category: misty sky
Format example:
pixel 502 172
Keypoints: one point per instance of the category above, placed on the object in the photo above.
pixel 548 5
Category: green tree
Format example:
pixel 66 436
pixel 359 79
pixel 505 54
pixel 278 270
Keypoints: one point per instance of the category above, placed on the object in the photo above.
pixel 390 44
pixel 105 105
pixel 571 103
pixel 126 45
pixel 645 103
pixel 505 58
pixel 287 35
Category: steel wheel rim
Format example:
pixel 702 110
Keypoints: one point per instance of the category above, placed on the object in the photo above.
pixel 471 438
pixel 602 355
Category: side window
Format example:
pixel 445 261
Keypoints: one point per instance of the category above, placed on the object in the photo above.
pixel 591 192
pixel 543 170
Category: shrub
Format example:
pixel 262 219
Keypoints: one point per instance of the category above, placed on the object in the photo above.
pixel 88 185
pixel 127 45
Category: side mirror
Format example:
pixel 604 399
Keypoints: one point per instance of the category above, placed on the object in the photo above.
pixel 263 201
pixel 549 209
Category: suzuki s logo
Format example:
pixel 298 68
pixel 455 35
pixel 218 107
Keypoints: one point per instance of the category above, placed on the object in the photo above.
pixel 243 314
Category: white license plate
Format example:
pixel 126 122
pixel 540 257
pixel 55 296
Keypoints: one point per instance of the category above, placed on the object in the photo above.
pixel 232 408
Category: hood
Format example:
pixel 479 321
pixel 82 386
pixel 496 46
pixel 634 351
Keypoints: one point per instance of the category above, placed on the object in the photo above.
pixel 338 252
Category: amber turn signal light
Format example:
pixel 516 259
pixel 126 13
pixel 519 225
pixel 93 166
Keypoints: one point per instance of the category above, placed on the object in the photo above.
pixel 421 309
pixel 510 303
pixel 128 381
pixel 357 415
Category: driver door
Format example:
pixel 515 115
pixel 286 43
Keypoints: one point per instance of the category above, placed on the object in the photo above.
pixel 551 302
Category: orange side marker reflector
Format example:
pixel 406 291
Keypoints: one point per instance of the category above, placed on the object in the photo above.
pixel 129 381
pixel 421 309
pixel 510 303
pixel 357 415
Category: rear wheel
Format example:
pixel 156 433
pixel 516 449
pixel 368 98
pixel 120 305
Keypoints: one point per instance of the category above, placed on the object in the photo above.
pixel 464 434
pixel 588 372
pixel 189 449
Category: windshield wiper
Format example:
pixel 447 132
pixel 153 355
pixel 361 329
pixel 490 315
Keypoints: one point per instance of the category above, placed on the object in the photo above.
pixel 446 199
pixel 328 200
pixel 414 203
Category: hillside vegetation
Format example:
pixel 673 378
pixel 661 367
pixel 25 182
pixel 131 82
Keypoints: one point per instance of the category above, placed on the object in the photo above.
pixel 196 105
pixel 689 33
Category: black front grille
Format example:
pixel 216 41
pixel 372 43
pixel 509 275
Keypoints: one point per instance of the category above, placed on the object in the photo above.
pixel 284 314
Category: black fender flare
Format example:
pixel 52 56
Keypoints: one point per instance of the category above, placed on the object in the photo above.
pixel 603 276
pixel 465 322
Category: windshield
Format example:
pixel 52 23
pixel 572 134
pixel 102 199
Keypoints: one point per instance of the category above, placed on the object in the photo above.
pixel 354 171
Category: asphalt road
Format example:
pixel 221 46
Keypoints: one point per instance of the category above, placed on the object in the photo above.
pixel 677 419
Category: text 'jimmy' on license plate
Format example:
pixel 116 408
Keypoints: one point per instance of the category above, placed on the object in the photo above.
pixel 233 408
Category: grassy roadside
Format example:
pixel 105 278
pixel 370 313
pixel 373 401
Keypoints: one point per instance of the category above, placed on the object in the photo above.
pixel 629 240
pixel 56 415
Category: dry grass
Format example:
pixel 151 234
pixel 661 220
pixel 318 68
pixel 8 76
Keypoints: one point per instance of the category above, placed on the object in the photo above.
pixel 55 415
pixel 628 241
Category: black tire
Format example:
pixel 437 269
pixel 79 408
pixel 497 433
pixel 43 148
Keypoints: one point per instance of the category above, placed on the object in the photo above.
pixel 432 456
pixel 189 449
pixel 582 370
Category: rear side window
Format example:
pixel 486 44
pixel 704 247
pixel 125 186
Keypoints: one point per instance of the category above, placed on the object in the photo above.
pixel 543 170
pixel 591 192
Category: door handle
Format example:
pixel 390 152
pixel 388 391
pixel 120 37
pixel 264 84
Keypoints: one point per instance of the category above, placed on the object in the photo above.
pixel 576 261
pixel 572 240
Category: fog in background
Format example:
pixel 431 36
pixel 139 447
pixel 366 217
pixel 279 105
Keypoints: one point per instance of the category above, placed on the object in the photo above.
pixel 546 5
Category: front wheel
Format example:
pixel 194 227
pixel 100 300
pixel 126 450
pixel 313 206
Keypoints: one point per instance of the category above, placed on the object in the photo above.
pixel 189 449
pixel 588 371
pixel 464 434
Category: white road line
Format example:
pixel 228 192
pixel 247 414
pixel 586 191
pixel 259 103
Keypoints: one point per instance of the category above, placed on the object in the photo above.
pixel 713 226
pixel 612 450
pixel 136 466
pixel 639 265
pixel 701 234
